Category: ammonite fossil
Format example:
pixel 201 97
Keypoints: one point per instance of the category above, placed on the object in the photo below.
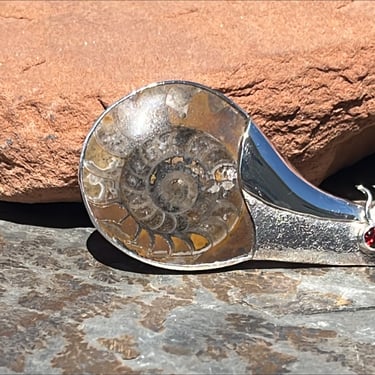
pixel 178 176
pixel 159 175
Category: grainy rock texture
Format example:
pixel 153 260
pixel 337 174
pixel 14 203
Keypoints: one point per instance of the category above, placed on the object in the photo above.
pixel 63 312
pixel 304 71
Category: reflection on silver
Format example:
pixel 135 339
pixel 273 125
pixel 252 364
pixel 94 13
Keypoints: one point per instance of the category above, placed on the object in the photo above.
pixel 266 175
pixel 178 176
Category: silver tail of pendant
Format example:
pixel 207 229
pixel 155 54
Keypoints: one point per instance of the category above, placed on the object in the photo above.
pixel 294 220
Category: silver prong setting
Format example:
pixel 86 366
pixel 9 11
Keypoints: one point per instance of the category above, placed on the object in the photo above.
pixel 369 200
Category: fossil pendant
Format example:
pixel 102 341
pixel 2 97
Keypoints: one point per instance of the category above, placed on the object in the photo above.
pixel 178 176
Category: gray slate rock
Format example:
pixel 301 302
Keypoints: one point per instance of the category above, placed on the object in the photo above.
pixel 64 312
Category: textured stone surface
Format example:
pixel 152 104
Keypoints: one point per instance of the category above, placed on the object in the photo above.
pixel 304 71
pixel 63 312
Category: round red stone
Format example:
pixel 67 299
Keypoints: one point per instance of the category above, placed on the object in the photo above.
pixel 370 238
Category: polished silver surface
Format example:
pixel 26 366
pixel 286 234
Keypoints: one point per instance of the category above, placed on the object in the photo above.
pixel 178 176
pixel 266 175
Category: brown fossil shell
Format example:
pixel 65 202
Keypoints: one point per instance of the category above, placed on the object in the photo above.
pixel 158 175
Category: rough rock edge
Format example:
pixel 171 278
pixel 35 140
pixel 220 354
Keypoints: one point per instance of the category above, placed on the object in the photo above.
pixel 319 127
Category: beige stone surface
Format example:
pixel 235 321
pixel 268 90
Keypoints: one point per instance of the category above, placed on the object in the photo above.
pixel 305 71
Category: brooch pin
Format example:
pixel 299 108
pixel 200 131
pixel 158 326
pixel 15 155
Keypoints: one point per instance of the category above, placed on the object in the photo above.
pixel 178 176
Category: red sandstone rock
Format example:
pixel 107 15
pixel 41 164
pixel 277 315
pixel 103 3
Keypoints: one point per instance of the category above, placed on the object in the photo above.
pixel 305 71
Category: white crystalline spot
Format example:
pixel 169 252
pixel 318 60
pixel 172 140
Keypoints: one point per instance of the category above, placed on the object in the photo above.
pixel 179 99
pixel 214 189
pixel 228 185
pixel 225 177
pixel 140 119
pixel 230 174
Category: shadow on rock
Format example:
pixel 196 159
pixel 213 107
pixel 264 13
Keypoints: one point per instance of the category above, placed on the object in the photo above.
pixel 343 183
pixel 105 253
pixel 52 215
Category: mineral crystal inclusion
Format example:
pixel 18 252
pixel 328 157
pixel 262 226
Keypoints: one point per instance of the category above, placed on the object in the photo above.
pixel 370 238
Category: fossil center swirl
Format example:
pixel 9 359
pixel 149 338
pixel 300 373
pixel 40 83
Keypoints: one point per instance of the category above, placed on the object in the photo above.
pixel 182 183
pixel 173 187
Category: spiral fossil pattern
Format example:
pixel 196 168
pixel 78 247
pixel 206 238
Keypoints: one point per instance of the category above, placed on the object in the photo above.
pixel 160 175
pixel 182 183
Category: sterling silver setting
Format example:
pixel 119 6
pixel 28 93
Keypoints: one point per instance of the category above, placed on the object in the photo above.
pixel 178 176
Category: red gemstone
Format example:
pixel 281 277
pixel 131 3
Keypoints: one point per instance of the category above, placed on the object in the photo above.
pixel 370 238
